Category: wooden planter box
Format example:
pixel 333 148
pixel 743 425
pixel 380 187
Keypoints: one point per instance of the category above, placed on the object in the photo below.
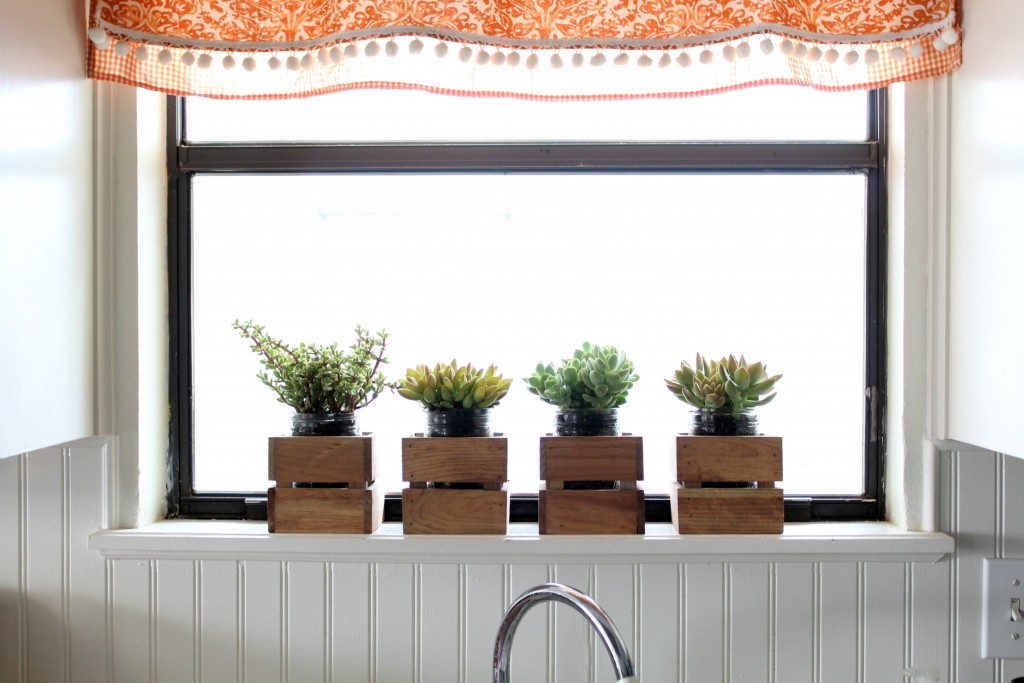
pixel 698 507
pixel 618 510
pixel 480 462
pixel 346 500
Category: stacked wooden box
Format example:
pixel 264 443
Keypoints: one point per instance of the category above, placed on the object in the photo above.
pixel 617 508
pixel 457 485
pixel 323 484
pixel 703 463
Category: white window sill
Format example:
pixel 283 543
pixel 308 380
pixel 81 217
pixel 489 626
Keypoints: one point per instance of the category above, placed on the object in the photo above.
pixel 802 542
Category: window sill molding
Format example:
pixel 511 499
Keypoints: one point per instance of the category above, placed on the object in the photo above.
pixel 799 542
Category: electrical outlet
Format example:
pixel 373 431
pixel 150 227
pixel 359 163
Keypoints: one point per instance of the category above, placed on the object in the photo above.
pixel 1002 619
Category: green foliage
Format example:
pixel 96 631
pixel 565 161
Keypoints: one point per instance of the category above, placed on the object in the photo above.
pixel 453 386
pixel 320 379
pixel 596 377
pixel 726 383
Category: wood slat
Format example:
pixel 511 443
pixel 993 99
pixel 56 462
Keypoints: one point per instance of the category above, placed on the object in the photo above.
pixel 321 459
pixel 454 511
pixel 324 510
pixel 728 458
pixel 727 511
pixel 591 458
pixel 450 459
pixel 591 512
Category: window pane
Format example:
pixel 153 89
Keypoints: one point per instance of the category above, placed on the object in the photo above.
pixel 514 269
pixel 776 113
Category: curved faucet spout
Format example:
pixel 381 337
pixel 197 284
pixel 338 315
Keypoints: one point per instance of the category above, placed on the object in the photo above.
pixel 583 604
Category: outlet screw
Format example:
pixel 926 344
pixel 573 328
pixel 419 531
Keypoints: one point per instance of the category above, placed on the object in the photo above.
pixel 1016 582
pixel 1016 636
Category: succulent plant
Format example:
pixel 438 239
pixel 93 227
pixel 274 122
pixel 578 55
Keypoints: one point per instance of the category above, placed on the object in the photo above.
pixel 712 385
pixel 453 386
pixel 320 379
pixel 596 378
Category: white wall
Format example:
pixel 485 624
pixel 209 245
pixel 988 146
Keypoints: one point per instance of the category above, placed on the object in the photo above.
pixel 46 228
pixel 986 363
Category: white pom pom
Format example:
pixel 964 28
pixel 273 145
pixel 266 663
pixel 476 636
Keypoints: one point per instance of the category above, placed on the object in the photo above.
pixel 141 53
pixel 307 61
pixel 814 54
pixel 898 54
pixel 706 56
pixel 188 59
pixel 939 44
pixel 644 60
pixel 916 50
pixel 416 47
pixel 122 48
pixel 351 50
pixel 871 56
pixel 800 50
pixel 598 60
pixel 249 63
pixel 498 58
pixel 335 54
pixel 621 59
pixel 767 46
pixel 832 56
pixel 292 63
pixel 228 62
pixel 851 57
pixel 323 56
pixel 683 60
pixel 391 48
pixel 98 36
pixel 664 61
pixel 577 60
pixel 274 63
pixel 786 46
pixel 743 50
pixel 729 53
pixel 205 61
pixel 465 54
pixel 514 58
pixel 483 57
pixel 532 61
pixel 372 49
pixel 556 61
pixel 950 36
pixel 441 49
pixel 164 56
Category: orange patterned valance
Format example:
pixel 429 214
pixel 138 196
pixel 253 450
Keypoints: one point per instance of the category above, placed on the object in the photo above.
pixel 550 49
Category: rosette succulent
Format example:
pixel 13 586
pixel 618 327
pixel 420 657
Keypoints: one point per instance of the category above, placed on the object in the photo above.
pixel 727 383
pixel 595 378
pixel 444 387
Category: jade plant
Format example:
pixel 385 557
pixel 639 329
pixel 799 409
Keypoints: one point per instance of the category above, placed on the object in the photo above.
pixel 448 386
pixel 594 378
pixel 315 379
pixel 724 385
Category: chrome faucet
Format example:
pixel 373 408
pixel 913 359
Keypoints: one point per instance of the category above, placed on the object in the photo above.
pixel 583 604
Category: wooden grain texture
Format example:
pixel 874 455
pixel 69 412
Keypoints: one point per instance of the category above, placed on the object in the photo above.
pixel 454 511
pixel 321 459
pixel 591 512
pixel 728 458
pixel 727 511
pixel 455 459
pixel 591 458
pixel 324 510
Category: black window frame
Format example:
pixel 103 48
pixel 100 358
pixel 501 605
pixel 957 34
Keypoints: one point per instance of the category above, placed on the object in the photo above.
pixel 185 160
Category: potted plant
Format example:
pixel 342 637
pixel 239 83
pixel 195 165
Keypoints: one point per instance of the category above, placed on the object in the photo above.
pixel 324 384
pixel 725 471
pixel 724 394
pixel 587 389
pixel 457 470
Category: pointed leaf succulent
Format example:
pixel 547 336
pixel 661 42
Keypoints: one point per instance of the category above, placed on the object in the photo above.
pixel 447 386
pixel 727 383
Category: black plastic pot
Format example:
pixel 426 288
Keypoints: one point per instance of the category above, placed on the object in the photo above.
pixel 324 424
pixel 583 422
pixel 724 422
pixel 459 422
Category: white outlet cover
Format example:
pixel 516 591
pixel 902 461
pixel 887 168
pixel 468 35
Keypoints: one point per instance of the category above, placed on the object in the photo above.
pixel 1001 638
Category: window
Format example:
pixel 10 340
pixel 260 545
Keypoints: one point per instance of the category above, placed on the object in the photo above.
pixel 510 232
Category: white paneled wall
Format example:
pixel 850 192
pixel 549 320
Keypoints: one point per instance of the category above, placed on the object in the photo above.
pixel 66 614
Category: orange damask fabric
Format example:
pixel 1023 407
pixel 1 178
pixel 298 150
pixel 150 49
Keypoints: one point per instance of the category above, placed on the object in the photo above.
pixel 298 48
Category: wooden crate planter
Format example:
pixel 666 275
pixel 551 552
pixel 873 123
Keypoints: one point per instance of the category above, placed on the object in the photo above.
pixel 702 461
pixel 346 501
pixel 477 462
pixel 591 459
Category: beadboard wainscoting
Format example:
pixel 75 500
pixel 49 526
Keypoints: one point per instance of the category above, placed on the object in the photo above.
pixel 67 613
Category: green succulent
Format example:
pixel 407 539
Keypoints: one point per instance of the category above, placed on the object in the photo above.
pixel 711 385
pixel 596 377
pixel 320 379
pixel 453 386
